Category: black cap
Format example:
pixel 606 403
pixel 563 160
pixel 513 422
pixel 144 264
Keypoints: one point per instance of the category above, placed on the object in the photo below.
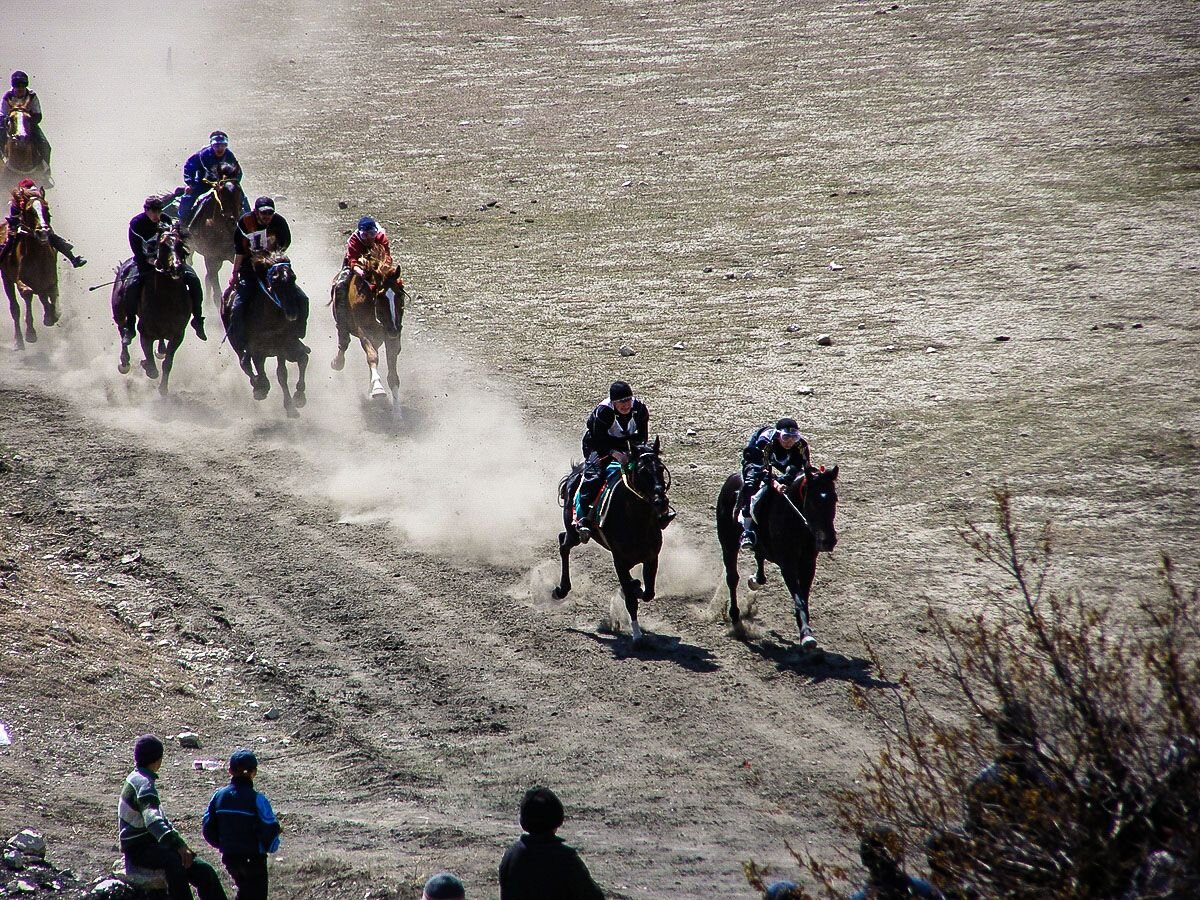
pixel 243 761
pixel 444 886
pixel 19 77
pixel 619 390
pixel 787 423
pixel 218 137
pixel 264 203
pixel 153 202
pixel 541 811
pixel 147 749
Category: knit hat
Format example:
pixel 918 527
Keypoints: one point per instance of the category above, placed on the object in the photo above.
pixel 218 137
pixel 243 761
pixel 147 749
pixel 787 425
pixel 444 886
pixel 619 390
pixel 541 811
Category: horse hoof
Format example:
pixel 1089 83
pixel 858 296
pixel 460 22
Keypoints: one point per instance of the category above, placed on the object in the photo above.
pixel 123 368
pixel 753 583
pixel 292 412
pixel 161 354
pixel 30 336
pixel 150 369
pixel 558 593
pixel 50 319
pixel 259 393
pixel 808 642
pixel 338 363
pixel 379 394
pixel 300 400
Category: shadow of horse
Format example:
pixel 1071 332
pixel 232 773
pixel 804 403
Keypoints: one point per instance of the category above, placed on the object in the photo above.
pixel 656 647
pixel 31 269
pixel 817 665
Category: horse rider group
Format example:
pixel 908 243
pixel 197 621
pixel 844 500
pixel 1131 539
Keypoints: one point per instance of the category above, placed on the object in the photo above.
pixel 23 99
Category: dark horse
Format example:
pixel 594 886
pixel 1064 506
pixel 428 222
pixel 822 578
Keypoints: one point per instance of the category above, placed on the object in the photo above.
pixel 210 233
pixel 31 267
pixel 795 523
pixel 375 300
pixel 628 526
pixel 163 309
pixel 276 314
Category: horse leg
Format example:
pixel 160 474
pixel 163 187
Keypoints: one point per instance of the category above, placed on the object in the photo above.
pixel 30 334
pixel 799 582
pixel 631 589
pixel 281 375
pixel 300 399
pixel 729 555
pixel 149 366
pixel 14 307
pixel 649 574
pixel 50 313
pixel 160 349
pixel 759 578
pixel 259 380
pixel 123 360
pixel 168 363
pixel 566 540
pixel 376 389
pixel 212 280
pixel 392 345
pixel 339 361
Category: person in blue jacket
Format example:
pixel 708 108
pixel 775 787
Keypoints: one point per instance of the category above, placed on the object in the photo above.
pixel 205 166
pixel 240 823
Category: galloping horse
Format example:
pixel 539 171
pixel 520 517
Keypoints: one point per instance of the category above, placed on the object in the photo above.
pixel 795 523
pixel 627 516
pixel 21 158
pixel 214 219
pixel 31 267
pixel 376 301
pixel 164 307
pixel 276 313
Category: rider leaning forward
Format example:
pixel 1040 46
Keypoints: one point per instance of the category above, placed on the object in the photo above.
pixel 203 169
pixel 21 195
pixel 21 97
pixel 779 447
pixel 258 234
pixel 144 232
pixel 367 237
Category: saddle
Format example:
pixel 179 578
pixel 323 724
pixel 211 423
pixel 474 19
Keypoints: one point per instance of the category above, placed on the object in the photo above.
pixel 612 475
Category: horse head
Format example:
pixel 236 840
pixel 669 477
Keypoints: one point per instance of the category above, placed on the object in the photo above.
pixel 651 477
pixel 279 282
pixel 378 272
pixel 170 255
pixel 18 125
pixel 816 496
pixel 37 215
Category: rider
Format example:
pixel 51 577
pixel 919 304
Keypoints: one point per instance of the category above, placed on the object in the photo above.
pixel 21 97
pixel 258 233
pixel 21 195
pixel 777 446
pixel 366 238
pixel 144 232
pixel 204 167
pixel 614 427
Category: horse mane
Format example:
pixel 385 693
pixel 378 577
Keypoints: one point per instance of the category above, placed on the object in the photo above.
pixel 274 258
pixel 375 262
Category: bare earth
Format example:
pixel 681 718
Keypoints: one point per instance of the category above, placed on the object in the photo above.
pixel 561 179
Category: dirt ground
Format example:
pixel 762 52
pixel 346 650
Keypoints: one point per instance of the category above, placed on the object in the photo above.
pixel 990 210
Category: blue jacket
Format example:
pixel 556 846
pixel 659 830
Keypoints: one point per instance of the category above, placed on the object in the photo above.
pixel 240 820
pixel 204 164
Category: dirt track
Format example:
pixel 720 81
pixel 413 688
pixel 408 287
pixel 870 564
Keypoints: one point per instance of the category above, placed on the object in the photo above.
pixel 916 183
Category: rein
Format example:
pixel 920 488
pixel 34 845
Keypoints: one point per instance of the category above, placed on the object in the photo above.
pixel 264 282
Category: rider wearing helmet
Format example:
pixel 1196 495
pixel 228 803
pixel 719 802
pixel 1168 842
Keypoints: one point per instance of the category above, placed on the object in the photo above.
pixel 21 195
pixel 779 447
pixel 614 428
pixel 366 238
pixel 205 166
pixel 258 233
pixel 144 231
pixel 21 97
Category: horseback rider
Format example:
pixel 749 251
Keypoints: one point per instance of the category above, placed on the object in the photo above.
pixel 21 195
pixel 203 169
pixel 778 447
pixel 258 234
pixel 614 428
pixel 21 97
pixel 145 229
pixel 368 236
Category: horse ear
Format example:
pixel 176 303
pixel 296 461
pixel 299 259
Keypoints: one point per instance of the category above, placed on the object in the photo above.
pixel 833 473
pixel 657 443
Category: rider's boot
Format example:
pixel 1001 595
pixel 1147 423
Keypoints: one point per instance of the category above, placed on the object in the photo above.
pixel 197 293
pixel 583 521
pixel 666 518
pixel 198 327
pixel 749 537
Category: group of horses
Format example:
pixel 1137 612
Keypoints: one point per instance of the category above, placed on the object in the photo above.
pixel 795 524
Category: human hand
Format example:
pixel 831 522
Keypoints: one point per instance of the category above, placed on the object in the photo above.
pixel 620 456
pixel 186 856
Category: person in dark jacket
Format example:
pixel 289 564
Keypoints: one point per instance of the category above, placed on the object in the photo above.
pixel 144 231
pixel 22 98
pixel 880 853
pixel 239 822
pixel 204 169
pixel 614 428
pixel 778 447
pixel 539 865
pixel 258 234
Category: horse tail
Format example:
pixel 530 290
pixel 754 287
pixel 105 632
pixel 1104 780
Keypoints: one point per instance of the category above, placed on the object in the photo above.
pixel 576 468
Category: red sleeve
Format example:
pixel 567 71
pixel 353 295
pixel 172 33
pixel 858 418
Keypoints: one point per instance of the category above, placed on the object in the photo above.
pixel 385 244
pixel 353 249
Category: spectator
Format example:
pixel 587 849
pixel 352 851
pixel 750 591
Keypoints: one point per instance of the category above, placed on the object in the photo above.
pixel 539 865
pixel 149 840
pixel 782 890
pixel 880 852
pixel 444 886
pixel 239 822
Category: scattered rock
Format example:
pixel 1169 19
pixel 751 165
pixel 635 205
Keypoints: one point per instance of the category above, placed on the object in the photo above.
pixel 489 204
pixel 21 886
pixel 729 276
pixel 626 350
pixel 861 326
pixel 707 269
pixel 678 346
pixel 691 432
pixel 836 267
pixel 1137 325
pixel 5 739
pixel 792 329
pixel 14 860
pixel 272 714
pixel 626 184
pixel 804 391
pixel 28 842
pixel 824 340
pixel 342 204
pixel 1001 338
pixel 110 889
pixel 931 349
pixel 189 739
pixel 131 557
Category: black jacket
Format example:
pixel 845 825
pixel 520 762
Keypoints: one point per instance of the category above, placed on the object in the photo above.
pixel 539 867
pixel 607 431
pixel 763 449
pixel 142 229
pixel 249 237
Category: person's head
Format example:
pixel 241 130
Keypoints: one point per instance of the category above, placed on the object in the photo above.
pixel 541 811
pixel 782 890
pixel 879 849
pixel 219 141
pixel 243 764
pixel 20 82
pixel 26 185
pixel 368 228
pixel 148 752
pixel 153 208
pixel 787 432
pixel 264 210
pixel 621 396
pixel 444 886
pixel 1016 728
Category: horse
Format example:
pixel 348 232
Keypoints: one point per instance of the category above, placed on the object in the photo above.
pixel 627 526
pixel 21 157
pixel 31 267
pixel 795 523
pixel 375 300
pixel 276 313
pixel 210 233
pixel 164 308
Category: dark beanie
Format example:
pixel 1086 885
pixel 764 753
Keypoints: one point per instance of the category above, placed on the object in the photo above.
pixel 147 749
pixel 619 390
pixel 445 886
pixel 541 811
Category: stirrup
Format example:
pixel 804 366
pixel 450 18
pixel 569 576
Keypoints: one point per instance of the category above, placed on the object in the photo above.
pixel 749 539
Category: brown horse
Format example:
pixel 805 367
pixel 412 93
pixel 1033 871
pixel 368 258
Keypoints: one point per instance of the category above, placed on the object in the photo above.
pixel 21 158
pixel 31 267
pixel 276 314
pixel 376 301
pixel 214 219
pixel 163 309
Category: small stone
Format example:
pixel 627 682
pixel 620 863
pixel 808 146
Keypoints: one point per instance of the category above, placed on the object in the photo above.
pixel 792 329
pixel 729 276
pixel 28 842
pixel 342 204
pixel 707 269
pixel 14 860
pixel 678 346
pixel 1001 338
pixel 861 326
pixel 804 391
pixel 131 557
pixel 272 714
pixel 691 432
pixel 626 184
pixel 24 887
pixel 931 349
pixel 824 340
pixel 492 203
pixel 190 740
pixel 1137 325
pixel 836 267
pixel 625 350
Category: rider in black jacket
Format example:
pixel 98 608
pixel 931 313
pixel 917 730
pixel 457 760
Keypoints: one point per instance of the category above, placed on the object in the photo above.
pixel 778 447
pixel 614 428
pixel 144 231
